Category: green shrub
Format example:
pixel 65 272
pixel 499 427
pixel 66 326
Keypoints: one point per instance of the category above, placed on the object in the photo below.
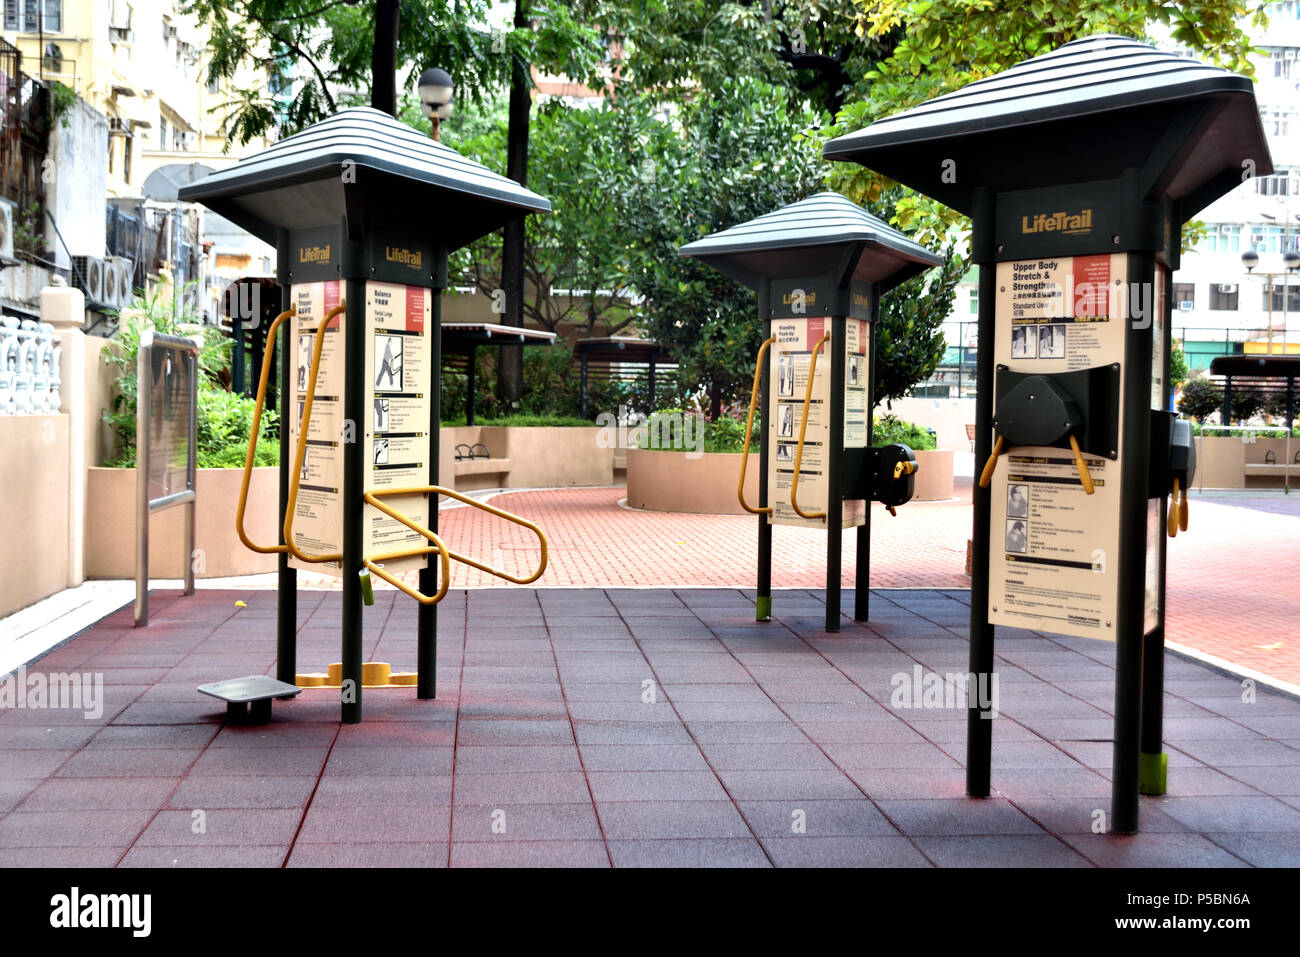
pixel 665 432
pixel 531 421
pixel 889 429
pixel 224 419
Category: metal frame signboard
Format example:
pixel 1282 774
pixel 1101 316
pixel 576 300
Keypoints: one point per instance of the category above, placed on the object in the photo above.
pixel 399 383
pixel 318 516
pixel 167 369
pixel 789 362
pixel 1053 544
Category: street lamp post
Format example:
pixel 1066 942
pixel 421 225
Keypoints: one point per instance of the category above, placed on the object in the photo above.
pixel 1291 260
pixel 436 91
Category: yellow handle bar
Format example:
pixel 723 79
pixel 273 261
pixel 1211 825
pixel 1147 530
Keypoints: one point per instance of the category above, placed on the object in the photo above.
pixel 803 428
pixel 444 556
pixel 252 440
pixel 373 498
pixel 295 477
pixel 749 431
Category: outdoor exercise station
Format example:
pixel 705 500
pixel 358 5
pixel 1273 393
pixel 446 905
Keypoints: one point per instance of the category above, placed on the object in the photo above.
pixel 820 267
pixel 1078 169
pixel 363 212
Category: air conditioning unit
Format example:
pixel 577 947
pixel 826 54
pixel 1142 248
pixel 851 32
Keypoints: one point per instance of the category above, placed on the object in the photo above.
pixel 88 276
pixel 121 35
pixel 118 275
pixel 112 285
pixel 1185 306
pixel 125 270
pixel 1228 290
pixel 169 32
pixel 7 209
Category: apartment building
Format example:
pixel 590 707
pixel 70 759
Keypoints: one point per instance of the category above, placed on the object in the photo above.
pixel 142 66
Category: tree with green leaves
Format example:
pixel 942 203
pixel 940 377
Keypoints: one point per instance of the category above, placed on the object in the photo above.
pixel 1200 399
pixel 733 160
pixel 584 160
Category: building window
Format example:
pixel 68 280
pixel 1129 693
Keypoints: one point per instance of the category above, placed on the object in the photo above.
pixel 1223 297
pixel 974 302
pixel 1278 184
pixel 24 16
pixel 1221 238
pixel 1184 292
pixel 1285 298
pixel 162 133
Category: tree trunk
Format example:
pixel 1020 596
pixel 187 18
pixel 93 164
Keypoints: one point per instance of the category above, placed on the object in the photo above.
pixel 510 371
pixel 383 59
pixel 715 401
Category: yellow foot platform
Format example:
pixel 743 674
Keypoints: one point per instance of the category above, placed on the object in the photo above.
pixel 374 674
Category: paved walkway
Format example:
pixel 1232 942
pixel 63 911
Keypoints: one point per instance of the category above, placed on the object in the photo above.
pixel 1233 577
pixel 765 744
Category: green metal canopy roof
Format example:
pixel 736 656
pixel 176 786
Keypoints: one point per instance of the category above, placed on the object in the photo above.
pixel 821 234
pixel 1084 112
pixel 363 164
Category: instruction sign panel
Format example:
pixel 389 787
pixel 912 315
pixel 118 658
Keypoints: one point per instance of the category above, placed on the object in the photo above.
pixel 1053 549
pixel 399 383
pixel 318 517
pixel 790 359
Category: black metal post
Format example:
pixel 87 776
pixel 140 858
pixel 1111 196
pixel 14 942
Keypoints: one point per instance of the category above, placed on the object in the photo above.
pixel 426 654
pixel 652 383
pixel 1153 774
pixel 835 476
pixel 763 593
pixel 237 347
pixel 582 363
pixel 1130 612
pixel 286 610
pixel 471 383
pixel 383 58
pixel 1227 400
pixel 862 571
pixel 979 728
pixel 353 505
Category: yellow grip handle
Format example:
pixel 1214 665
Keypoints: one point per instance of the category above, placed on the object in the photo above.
pixel 903 468
pixel 1182 510
pixel 258 407
pixel 1172 523
pixel 803 429
pixel 1081 465
pixel 986 476
pixel 749 430
pixel 295 477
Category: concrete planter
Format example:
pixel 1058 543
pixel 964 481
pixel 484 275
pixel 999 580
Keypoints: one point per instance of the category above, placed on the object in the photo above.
pixel 526 457
pixel 110 525
pixel 1226 461
pixel 933 475
pixel 689 482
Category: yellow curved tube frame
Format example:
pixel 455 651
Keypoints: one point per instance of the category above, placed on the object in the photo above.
pixel 803 428
pixel 295 477
pixel 749 430
pixel 374 562
pixel 373 498
pixel 252 442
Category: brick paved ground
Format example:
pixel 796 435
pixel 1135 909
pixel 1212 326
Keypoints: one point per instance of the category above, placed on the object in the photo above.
pixel 1234 576
pixel 540 725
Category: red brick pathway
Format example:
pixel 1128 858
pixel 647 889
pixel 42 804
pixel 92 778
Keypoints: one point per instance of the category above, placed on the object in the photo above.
pixel 1234 576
